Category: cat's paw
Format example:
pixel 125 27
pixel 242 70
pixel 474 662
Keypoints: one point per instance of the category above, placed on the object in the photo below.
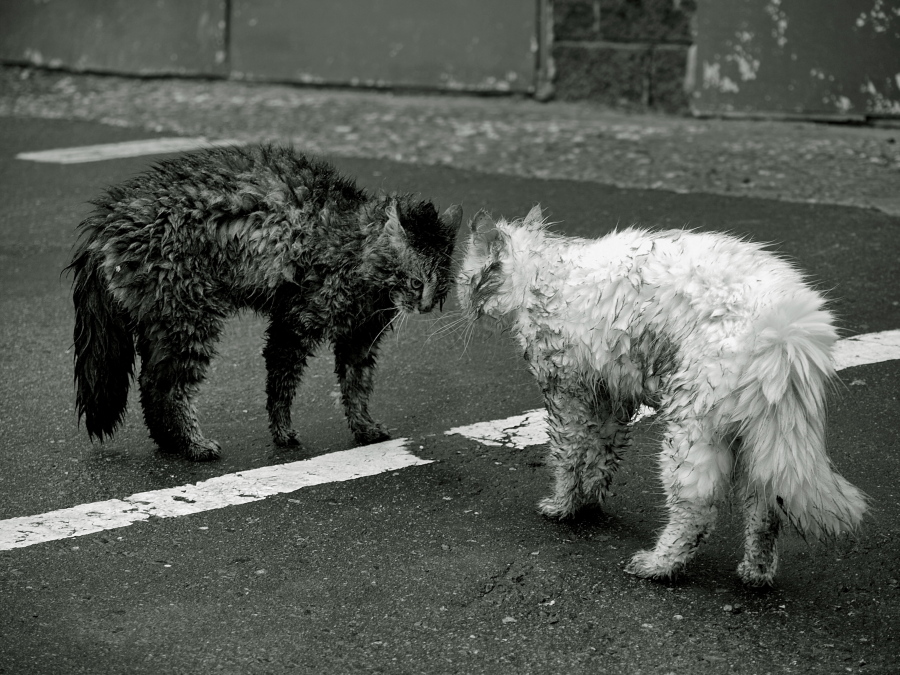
pixel 285 438
pixel 756 576
pixel 650 565
pixel 375 433
pixel 553 507
pixel 203 450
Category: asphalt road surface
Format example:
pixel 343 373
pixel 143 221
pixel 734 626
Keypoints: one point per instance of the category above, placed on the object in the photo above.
pixel 442 567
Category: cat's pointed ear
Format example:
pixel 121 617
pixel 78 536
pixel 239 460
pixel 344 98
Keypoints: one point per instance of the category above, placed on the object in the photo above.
pixel 481 223
pixel 392 223
pixel 484 233
pixel 535 216
pixel 452 218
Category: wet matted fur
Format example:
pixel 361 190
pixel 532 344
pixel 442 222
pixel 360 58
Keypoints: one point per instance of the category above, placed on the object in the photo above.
pixel 723 337
pixel 168 256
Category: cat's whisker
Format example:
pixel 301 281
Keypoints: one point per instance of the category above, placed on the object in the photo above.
pixel 468 334
pixel 375 312
pixel 389 324
pixel 401 324
pixel 449 327
pixel 456 331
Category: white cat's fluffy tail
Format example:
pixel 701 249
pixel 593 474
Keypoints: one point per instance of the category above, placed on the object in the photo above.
pixel 780 407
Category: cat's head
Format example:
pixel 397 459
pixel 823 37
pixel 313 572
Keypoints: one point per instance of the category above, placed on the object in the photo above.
pixel 422 243
pixel 483 279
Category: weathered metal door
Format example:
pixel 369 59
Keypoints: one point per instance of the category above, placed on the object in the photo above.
pixel 473 45
pixel 450 44
pixel 834 58
pixel 120 36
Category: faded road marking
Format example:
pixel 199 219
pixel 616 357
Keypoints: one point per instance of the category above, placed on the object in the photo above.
pixel 530 428
pixel 98 153
pixel 860 350
pixel 519 431
pixel 216 493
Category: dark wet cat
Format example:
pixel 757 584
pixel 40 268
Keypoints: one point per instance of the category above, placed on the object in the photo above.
pixel 167 256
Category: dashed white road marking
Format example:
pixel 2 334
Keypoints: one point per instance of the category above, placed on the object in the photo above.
pixel 860 350
pixel 98 153
pixel 530 428
pixel 520 431
pixel 216 493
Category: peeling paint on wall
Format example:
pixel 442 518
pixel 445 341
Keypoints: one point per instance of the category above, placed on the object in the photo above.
pixel 779 20
pixel 841 104
pixel 741 56
pixel 878 17
pixel 713 79
pixel 807 57
pixel 882 104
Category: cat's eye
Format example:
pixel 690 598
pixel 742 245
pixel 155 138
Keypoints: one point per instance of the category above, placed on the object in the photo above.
pixel 415 284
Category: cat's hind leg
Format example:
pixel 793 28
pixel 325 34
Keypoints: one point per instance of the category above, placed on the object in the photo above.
pixel 354 363
pixel 286 353
pixel 762 526
pixel 587 437
pixel 696 469
pixel 173 364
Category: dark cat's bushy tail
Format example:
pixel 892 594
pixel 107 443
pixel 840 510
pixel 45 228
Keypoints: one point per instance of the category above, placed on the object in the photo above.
pixel 104 350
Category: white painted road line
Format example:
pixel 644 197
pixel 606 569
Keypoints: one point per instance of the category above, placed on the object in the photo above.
pixel 519 431
pixel 237 488
pixel 530 428
pixel 98 153
pixel 860 350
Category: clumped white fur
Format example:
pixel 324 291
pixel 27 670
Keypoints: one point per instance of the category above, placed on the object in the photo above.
pixel 723 337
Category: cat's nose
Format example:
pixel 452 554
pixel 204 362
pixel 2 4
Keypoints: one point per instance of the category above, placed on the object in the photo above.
pixel 426 300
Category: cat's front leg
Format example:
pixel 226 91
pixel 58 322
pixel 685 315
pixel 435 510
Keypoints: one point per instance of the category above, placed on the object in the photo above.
pixel 587 436
pixel 354 364
pixel 286 353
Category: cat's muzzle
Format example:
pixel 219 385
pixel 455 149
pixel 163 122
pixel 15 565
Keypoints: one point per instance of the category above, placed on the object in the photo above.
pixel 427 300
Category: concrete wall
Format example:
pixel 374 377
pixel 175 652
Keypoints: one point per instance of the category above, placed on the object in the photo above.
pixel 838 58
pixel 127 36
pixel 828 58
pixel 474 45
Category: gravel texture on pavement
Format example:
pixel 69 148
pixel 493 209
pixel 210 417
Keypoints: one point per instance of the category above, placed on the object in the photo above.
pixel 788 160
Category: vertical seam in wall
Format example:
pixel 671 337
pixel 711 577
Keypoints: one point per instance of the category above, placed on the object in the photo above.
pixel 544 70
pixel 226 38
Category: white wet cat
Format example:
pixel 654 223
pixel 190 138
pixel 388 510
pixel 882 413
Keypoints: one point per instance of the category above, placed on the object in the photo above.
pixel 723 337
